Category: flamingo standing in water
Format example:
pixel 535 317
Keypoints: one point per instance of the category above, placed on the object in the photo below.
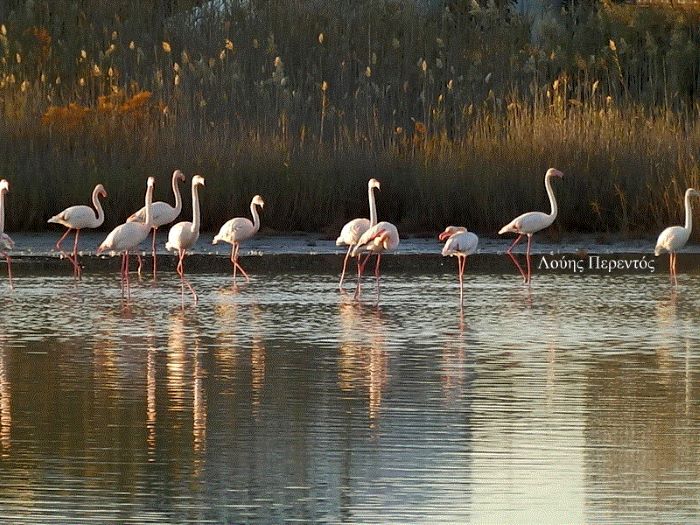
pixel 381 238
pixel 460 243
pixel 237 230
pixel 674 238
pixel 6 243
pixel 128 236
pixel 183 235
pixel 532 222
pixel 162 214
pixel 77 218
pixel 353 230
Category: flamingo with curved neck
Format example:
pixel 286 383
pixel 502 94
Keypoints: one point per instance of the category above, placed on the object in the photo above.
pixel 163 213
pixel 532 222
pixel 6 243
pixel 184 235
pixel 237 230
pixel 674 238
pixel 353 230
pixel 77 218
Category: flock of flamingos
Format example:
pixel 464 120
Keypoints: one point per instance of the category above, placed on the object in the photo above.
pixel 362 236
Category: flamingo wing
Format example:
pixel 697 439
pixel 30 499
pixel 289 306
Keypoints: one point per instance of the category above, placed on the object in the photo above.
pixel 235 230
pixel 162 213
pixel 671 239
pixel 352 231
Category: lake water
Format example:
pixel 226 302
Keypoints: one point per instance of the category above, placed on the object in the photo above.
pixel 576 401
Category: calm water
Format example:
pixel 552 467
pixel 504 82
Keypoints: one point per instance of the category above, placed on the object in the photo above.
pixel 285 401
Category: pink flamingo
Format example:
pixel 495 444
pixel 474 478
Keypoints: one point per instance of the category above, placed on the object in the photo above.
pixel 77 218
pixel 532 222
pixel 240 229
pixel 460 243
pixel 674 238
pixel 6 243
pixel 353 230
pixel 183 235
pixel 381 238
pixel 163 213
pixel 128 236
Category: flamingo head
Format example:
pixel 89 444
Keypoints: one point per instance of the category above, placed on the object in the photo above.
pixel 692 192
pixel 450 231
pixel 100 190
pixel 197 180
pixel 553 172
pixel 4 185
pixel 178 175
pixel 374 183
pixel 258 200
pixel 150 182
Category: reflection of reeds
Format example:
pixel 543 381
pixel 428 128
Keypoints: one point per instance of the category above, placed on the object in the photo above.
pixel 305 104
pixel 5 408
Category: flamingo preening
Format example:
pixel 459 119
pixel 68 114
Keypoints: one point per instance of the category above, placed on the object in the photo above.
pixel 532 222
pixel 353 230
pixel 79 217
pixel 381 238
pixel 128 236
pixel 460 243
pixel 240 229
pixel 183 235
pixel 162 213
pixel 674 238
pixel 6 243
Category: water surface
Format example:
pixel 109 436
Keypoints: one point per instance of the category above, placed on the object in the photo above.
pixel 575 401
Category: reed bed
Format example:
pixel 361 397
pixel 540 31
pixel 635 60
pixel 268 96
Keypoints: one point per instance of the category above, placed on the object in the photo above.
pixel 458 108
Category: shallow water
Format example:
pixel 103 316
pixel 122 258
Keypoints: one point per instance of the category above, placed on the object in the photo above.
pixel 577 401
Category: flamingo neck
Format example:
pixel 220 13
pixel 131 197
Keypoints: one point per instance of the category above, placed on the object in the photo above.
pixel 256 217
pixel 2 211
pixel 178 197
pixel 552 198
pixel 688 214
pixel 149 200
pixel 98 207
pixel 372 207
pixel 195 208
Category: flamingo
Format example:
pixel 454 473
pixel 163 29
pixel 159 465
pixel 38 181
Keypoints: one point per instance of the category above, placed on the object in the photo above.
pixel 674 238
pixel 128 236
pixel 184 234
pixel 163 213
pixel 532 222
pixel 460 243
pixel 353 230
pixel 77 218
pixel 240 229
pixel 381 238
pixel 6 243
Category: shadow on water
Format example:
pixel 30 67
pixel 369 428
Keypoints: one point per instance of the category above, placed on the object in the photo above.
pixel 571 400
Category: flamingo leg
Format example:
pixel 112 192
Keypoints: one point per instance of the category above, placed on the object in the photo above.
pixel 345 264
pixel 153 251
pixel 360 270
pixel 126 275
pixel 233 262
pixel 60 250
pixel 529 242
pixel 515 242
pixel 237 265
pixel 512 257
pixel 76 267
pixel 138 258
pixel 181 271
pixel 8 259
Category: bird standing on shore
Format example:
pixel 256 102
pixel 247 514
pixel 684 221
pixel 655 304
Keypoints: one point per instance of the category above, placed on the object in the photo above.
pixel 162 213
pixel 674 238
pixel 183 235
pixel 128 236
pixel 532 222
pixel 381 238
pixel 353 230
pixel 240 229
pixel 6 243
pixel 460 243
pixel 79 217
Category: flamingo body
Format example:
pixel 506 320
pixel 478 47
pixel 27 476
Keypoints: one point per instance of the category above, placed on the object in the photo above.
pixel 352 231
pixel 674 238
pixel 532 222
pixel 235 231
pixel 381 238
pixel 460 243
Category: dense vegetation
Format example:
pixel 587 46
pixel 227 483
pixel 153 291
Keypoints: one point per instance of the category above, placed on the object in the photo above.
pixel 457 108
